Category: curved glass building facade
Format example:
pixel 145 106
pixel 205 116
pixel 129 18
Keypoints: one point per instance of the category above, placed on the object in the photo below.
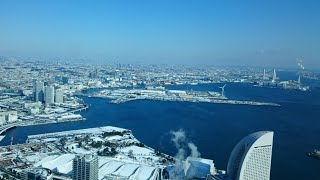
pixel 251 157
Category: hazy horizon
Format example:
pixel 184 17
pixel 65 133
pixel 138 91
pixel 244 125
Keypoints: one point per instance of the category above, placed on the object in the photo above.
pixel 270 33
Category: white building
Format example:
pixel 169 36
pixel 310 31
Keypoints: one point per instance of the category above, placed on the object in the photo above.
pixel 12 117
pixel 32 105
pixel 58 96
pixel 2 119
pixel 8 117
pixel 33 110
pixel 251 158
pixel 49 95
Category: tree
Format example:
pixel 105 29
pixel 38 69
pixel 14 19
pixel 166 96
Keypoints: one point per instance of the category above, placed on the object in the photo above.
pixel 97 144
pixel 130 153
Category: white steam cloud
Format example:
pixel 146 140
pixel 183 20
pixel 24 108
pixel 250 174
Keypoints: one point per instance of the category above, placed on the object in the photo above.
pixel 178 138
pixel 180 142
pixel 194 150
pixel 300 63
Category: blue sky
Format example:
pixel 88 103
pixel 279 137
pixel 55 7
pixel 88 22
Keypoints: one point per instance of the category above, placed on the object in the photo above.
pixel 273 32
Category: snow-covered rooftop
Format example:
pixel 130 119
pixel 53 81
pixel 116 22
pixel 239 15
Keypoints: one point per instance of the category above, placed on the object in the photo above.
pixel 126 170
pixel 109 168
pixel 144 172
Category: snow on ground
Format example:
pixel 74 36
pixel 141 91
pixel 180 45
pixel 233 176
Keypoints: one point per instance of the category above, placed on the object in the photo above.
pixel 98 130
pixel 71 146
pixel 111 128
pixel 136 150
pixel 116 137
pixel 83 151
pixel 129 141
pixel 96 139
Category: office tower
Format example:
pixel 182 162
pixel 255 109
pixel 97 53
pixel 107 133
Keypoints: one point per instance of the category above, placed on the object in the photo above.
pixel 38 91
pixel 264 74
pixel 37 174
pixel 58 96
pixel 49 95
pixel 85 167
pixel 251 158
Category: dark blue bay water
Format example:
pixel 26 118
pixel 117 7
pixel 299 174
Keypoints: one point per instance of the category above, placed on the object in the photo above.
pixel 215 128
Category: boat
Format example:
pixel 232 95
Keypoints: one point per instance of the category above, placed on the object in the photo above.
pixel 315 154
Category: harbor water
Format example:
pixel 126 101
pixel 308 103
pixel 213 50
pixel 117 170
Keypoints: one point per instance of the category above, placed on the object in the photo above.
pixel 214 128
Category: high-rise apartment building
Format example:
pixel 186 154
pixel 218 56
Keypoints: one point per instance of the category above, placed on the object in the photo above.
pixel 38 91
pixel 58 96
pixel 85 167
pixel 49 95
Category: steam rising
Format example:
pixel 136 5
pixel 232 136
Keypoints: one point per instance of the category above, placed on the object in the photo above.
pixel 180 142
pixel 194 150
pixel 300 63
pixel 179 137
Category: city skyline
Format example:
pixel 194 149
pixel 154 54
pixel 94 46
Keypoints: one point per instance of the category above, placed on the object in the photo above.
pixel 159 90
pixel 188 119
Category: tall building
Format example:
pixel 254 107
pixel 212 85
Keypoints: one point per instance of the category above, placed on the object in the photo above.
pixel 251 158
pixel 37 174
pixel 85 167
pixel 49 95
pixel 58 98
pixel 38 91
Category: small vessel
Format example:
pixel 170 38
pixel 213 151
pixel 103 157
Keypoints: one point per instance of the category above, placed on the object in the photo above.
pixel 315 154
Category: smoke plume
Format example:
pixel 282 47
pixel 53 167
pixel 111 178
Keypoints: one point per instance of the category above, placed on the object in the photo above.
pixel 194 150
pixel 300 63
pixel 178 138
pixel 181 143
